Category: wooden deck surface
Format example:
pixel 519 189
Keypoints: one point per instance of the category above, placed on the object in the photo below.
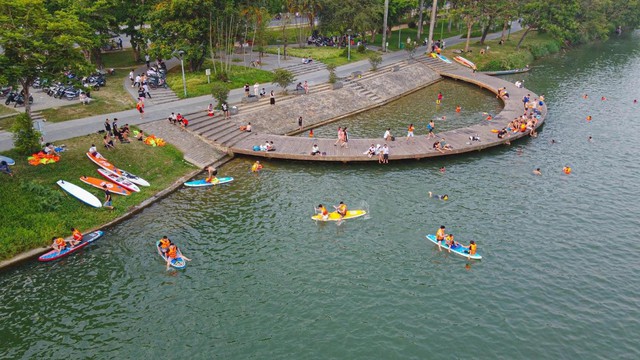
pixel 299 148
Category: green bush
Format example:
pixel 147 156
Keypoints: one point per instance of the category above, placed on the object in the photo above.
pixel 333 78
pixel 283 78
pixel 375 60
pixel 220 92
pixel 361 48
pixel 25 138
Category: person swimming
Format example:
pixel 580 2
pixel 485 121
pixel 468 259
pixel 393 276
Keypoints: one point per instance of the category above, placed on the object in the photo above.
pixel 566 170
pixel 440 197
pixel 537 172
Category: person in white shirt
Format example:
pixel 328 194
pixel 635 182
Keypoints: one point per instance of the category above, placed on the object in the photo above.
pixel 94 152
pixel 315 150
pixel 385 154
pixel 387 135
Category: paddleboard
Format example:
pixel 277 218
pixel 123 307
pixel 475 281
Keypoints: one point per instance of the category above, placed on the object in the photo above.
pixel 458 250
pixel 203 182
pixel 103 163
pixel 119 180
pixel 9 160
pixel 79 193
pixel 177 263
pixel 464 62
pixel 334 216
pixel 86 240
pixel 444 58
pixel 114 188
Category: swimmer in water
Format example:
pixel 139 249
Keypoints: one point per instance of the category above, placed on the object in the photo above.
pixel 553 141
pixel 585 96
pixel 590 139
pixel 589 118
pixel 537 172
pixel 440 197
pixel 566 170
pixel 635 101
pixel 443 169
pixel 603 98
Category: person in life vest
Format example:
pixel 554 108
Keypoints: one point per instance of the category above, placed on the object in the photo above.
pixel 341 209
pixel 589 118
pixel 458 109
pixel 323 211
pixel 59 244
pixel 210 110
pixel 450 242
pixel 566 170
pixel 173 253
pixel 440 197
pixel 77 237
pixel 256 167
pixel 472 248
pixel 212 175
pixel 164 244
pixel 439 99
pixel 440 236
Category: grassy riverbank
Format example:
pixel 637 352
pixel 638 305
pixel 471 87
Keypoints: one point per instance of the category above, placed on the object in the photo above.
pixel 34 208
pixel 506 56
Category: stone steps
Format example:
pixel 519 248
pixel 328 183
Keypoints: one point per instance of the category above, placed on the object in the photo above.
pixel 37 116
pixel 162 96
pixel 303 69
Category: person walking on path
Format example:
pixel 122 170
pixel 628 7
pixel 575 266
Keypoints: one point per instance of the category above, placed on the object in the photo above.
pixel 256 89
pixel 145 87
pixel 137 80
pixel 385 154
pixel 300 123
pixel 132 77
pixel 246 89
pixel 410 133
pixel 345 138
pixel 340 133
pixel 140 108
pixel 306 87
pixel 147 59
pixel 431 126
pixel 272 98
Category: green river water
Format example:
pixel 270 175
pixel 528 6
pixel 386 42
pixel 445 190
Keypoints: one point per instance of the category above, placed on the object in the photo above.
pixel 558 279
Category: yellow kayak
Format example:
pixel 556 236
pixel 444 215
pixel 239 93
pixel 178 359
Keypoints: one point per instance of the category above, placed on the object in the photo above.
pixel 334 216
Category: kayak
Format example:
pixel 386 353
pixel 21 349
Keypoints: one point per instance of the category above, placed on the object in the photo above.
pixel 506 72
pixel 203 182
pixel 178 263
pixel 459 250
pixel 119 180
pixel 97 183
pixel 465 62
pixel 444 58
pixel 109 167
pixel 334 216
pixel 79 193
pixel 9 160
pixel 86 240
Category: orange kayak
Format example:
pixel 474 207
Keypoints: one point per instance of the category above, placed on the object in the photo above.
pixel 98 183
pixel 103 163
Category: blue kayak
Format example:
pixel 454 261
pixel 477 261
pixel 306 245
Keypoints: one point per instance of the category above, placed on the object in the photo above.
pixel 203 182
pixel 459 250
pixel 178 263
pixel 86 240
pixel 9 160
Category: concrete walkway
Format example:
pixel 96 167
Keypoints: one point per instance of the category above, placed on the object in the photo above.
pixel 73 128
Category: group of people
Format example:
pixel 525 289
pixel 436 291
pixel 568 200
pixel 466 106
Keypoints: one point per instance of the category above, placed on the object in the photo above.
pixel 343 137
pixel 381 151
pixel 341 210
pixel 112 130
pixel 447 240
pixel 59 243
pixel 178 120
pixel 256 90
pixel 170 251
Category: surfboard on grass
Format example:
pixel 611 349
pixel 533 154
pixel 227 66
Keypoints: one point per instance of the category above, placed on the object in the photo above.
pixel 79 193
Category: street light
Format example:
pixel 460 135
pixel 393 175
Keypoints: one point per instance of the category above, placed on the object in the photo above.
pixel 184 80
pixel 349 44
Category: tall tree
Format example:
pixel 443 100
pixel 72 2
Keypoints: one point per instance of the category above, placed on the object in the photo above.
pixel 558 19
pixel 133 15
pixel 38 42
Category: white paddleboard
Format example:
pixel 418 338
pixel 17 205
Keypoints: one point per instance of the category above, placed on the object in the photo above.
pixel 80 193
pixel 9 160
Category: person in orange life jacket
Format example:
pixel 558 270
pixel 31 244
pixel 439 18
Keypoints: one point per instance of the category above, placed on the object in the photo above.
pixel 59 244
pixel 77 237
pixel 323 211
pixel 164 244
pixel 173 253
pixel 472 248
pixel 341 209
pixel 440 235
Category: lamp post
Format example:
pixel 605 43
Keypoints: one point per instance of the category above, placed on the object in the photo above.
pixel 349 44
pixel 184 81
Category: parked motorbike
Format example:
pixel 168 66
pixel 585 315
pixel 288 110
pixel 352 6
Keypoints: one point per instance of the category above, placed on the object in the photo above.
pixel 5 90
pixel 17 98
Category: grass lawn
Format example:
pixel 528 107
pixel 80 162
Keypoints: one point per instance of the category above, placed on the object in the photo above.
pixel 506 57
pixel 275 35
pixel 111 98
pixel 327 55
pixel 120 59
pixel 197 81
pixel 6 123
pixel 34 208
pixel 5 110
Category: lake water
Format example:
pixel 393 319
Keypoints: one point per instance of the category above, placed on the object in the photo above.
pixel 558 278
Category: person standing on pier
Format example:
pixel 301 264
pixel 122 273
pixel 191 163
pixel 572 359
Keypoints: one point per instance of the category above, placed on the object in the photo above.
pixel 272 98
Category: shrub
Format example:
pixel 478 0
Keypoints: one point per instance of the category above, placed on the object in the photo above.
pixel 220 92
pixel 375 59
pixel 283 78
pixel 25 138
pixel 222 76
pixel 361 48
pixel 332 73
pixel 412 24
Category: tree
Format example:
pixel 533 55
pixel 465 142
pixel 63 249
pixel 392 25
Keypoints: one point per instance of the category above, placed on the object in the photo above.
pixel 283 78
pixel 557 19
pixel 420 21
pixel 468 10
pixel 134 15
pixel 220 92
pixel 25 138
pixel 38 43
